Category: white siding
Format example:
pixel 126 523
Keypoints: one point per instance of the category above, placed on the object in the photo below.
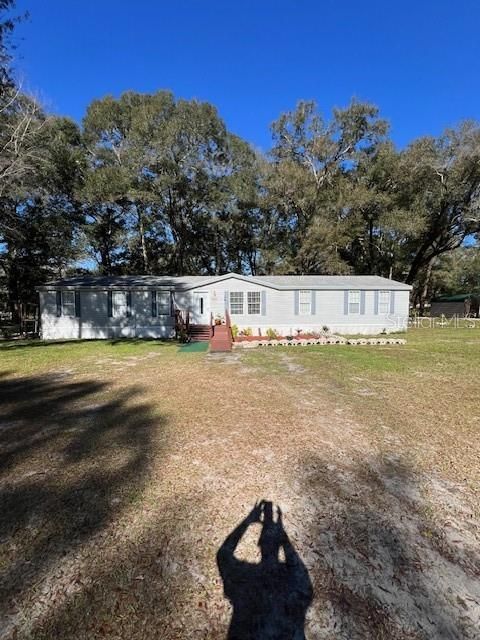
pixel 279 313
pixel 94 321
pixel 329 311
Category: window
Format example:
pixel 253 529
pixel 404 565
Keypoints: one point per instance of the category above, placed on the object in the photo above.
pixel 119 304
pixel 163 303
pixel 383 301
pixel 68 303
pixel 354 302
pixel 304 303
pixel 236 302
pixel 254 303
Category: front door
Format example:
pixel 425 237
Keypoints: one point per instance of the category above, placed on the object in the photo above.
pixel 201 308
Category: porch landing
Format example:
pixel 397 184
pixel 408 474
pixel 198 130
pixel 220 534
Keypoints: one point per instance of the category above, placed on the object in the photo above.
pixel 221 339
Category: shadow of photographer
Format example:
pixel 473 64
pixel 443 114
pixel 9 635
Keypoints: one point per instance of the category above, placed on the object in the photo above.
pixel 269 598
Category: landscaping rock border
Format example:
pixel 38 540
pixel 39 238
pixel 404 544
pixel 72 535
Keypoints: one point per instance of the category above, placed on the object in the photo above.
pixel 308 342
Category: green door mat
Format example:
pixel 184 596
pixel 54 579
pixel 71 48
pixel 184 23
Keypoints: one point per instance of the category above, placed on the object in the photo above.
pixel 194 347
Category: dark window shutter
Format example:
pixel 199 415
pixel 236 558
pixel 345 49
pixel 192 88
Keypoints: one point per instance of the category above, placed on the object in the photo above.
pixel 154 304
pixel 392 301
pixel 263 303
pixel 78 309
pixel 345 302
pixel 110 304
pixel 296 301
pixel 375 303
pixel 362 303
pixel 129 303
pixel 59 304
pixel 313 306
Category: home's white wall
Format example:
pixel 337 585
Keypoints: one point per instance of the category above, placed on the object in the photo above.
pixel 329 311
pixel 95 323
pixel 280 314
pixel 146 325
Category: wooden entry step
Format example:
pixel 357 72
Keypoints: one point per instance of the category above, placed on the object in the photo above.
pixel 221 339
pixel 199 332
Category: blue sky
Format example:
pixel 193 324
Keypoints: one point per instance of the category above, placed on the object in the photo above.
pixel 418 61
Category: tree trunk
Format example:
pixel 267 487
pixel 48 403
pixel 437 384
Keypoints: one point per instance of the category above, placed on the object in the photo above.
pixel 143 245
pixel 371 253
pixel 418 261
pixel 424 291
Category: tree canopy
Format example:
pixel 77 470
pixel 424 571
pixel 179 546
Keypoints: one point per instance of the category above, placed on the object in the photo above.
pixel 151 183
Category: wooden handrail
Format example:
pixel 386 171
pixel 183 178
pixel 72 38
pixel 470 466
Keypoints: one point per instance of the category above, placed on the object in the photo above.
pixel 228 322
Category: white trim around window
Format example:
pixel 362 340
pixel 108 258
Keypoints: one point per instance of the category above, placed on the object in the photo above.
pixel 354 301
pixel 68 303
pixel 304 302
pixel 163 303
pixel 119 304
pixel 236 303
pixel 254 303
pixel 384 302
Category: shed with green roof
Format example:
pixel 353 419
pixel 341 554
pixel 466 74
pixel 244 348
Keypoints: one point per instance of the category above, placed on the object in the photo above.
pixel 461 305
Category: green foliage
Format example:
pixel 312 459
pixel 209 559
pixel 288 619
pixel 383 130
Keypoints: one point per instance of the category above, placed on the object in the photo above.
pixel 155 184
pixel 247 331
pixel 272 334
pixel 8 22
pixel 234 330
pixel 183 335
pixel 179 190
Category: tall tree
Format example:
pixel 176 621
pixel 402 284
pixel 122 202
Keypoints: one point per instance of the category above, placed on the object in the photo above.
pixel 439 184
pixel 311 157
pixel 40 238
pixel 165 179
pixel 7 26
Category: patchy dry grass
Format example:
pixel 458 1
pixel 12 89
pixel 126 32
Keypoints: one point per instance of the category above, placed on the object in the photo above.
pixel 420 399
pixel 125 465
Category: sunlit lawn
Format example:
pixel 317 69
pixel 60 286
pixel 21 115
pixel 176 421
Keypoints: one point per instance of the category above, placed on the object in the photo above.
pixel 125 464
pixel 426 391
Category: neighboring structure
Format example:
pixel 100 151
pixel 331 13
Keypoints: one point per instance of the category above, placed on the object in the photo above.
pixel 462 305
pixel 149 306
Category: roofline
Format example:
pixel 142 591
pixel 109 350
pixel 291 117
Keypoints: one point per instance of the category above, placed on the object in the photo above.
pixel 227 276
pixel 103 287
pixel 397 286
pixel 400 286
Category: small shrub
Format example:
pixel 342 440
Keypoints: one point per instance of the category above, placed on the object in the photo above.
pixel 272 334
pixel 325 329
pixel 234 329
pixel 6 332
pixel 247 331
pixel 183 336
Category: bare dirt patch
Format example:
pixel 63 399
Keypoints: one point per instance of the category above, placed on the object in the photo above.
pixel 290 364
pixel 134 489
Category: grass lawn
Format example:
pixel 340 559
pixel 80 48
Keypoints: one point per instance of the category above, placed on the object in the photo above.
pixel 127 469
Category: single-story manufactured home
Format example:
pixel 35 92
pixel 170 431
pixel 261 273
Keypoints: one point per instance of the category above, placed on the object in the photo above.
pixel 149 306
